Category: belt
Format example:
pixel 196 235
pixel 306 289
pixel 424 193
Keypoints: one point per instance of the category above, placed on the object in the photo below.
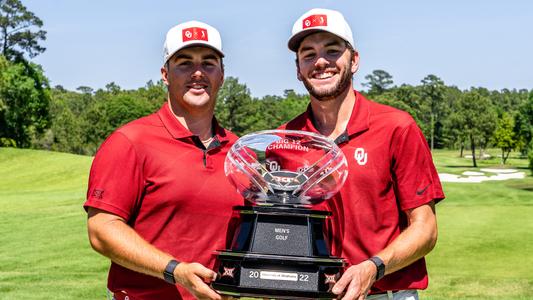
pixel 384 292
pixel 390 294
pixel 381 295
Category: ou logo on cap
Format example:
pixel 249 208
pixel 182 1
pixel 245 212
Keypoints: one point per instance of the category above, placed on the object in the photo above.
pixel 188 34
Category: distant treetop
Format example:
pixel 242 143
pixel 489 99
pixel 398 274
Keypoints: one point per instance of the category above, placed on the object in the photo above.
pixel 19 31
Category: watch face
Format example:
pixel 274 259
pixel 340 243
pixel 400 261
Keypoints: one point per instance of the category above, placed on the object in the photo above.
pixel 286 167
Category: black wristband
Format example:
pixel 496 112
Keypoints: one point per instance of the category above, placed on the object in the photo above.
pixel 168 274
pixel 380 266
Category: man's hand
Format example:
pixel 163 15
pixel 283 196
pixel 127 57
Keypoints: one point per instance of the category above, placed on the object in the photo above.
pixel 195 278
pixel 356 281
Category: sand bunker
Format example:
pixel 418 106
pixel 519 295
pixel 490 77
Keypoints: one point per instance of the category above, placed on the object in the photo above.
pixel 484 175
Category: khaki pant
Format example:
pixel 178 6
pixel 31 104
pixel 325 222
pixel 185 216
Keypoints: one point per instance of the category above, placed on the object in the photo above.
pixel 400 295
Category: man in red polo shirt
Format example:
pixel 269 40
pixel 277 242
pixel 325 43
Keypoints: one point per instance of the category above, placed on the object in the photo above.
pixel 158 201
pixel 384 217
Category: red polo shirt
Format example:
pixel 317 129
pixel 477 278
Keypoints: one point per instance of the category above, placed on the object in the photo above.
pixel 390 171
pixel 173 193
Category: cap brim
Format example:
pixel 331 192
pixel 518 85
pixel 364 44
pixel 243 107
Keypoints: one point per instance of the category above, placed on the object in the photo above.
pixel 195 45
pixel 295 40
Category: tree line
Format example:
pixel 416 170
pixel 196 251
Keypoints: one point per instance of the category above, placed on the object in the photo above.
pixel 35 115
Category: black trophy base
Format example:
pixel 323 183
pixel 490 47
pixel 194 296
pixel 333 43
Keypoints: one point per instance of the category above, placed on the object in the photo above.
pixel 276 276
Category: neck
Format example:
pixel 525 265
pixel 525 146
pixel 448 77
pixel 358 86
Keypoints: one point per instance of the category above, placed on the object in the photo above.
pixel 198 123
pixel 331 116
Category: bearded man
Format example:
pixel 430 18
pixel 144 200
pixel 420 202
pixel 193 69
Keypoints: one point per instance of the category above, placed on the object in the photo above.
pixel 384 219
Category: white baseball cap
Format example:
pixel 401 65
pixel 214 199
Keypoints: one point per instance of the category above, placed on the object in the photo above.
pixel 320 19
pixel 192 33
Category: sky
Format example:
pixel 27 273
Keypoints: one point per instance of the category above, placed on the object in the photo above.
pixel 464 42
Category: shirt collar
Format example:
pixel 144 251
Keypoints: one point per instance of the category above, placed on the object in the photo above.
pixel 178 131
pixel 359 119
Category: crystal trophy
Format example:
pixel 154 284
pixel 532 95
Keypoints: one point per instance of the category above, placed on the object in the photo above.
pixel 279 249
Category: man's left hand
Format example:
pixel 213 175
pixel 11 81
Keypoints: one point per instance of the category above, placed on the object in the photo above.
pixel 356 281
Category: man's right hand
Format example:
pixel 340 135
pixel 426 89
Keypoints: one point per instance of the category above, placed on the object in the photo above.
pixel 195 278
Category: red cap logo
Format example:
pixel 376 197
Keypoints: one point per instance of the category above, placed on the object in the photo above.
pixel 315 20
pixel 194 34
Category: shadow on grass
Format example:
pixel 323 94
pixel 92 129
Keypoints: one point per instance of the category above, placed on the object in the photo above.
pixel 525 185
pixel 456 166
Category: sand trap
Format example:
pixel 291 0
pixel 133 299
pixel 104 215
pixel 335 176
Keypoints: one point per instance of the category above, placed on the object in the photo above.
pixel 499 171
pixel 472 173
pixel 485 155
pixel 476 177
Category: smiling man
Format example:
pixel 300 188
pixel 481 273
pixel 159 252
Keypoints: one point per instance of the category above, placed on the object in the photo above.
pixel 384 219
pixel 158 201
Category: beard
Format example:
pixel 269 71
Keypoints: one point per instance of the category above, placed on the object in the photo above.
pixel 335 91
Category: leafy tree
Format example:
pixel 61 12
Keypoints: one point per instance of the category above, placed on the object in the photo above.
pixel 67 129
pixel 388 98
pixel 474 115
pixel 156 93
pixel 504 137
pixel 508 100
pixel 433 90
pixel 85 89
pixel 404 97
pixel 67 114
pixel 451 136
pixel 82 119
pixel 277 110
pixel 19 30
pixel 234 108
pixel 378 82
pixel 24 98
pixel 524 125
pixel 112 88
pixel 288 107
pixel 108 112
pixel 486 129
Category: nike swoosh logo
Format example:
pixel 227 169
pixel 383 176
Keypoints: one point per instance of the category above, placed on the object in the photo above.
pixel 420 192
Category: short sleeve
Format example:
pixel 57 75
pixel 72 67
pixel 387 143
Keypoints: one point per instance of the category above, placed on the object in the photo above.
pixel 415 177
pixel 115 179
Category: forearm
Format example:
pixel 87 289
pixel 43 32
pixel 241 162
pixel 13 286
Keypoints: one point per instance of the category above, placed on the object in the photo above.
pixel 113 238
pixel 417 240
pixel 413 243
pixel 120 243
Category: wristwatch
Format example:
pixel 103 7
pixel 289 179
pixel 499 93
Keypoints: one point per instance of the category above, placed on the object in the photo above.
pixel 380 266
pixel 168 274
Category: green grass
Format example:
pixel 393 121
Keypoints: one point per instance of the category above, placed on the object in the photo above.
pixel 483 252
pixel 485 235
pixel 448 161
pixel 44 252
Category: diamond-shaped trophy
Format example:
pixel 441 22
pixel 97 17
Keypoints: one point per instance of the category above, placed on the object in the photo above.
pixel 279 249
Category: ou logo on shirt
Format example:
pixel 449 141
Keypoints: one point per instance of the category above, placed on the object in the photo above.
pixel 360 156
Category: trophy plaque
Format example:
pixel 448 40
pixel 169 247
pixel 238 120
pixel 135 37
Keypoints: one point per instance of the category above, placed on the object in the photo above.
pixel 279 249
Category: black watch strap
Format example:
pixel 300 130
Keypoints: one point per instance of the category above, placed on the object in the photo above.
pixel 379 265
pixel 168 274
